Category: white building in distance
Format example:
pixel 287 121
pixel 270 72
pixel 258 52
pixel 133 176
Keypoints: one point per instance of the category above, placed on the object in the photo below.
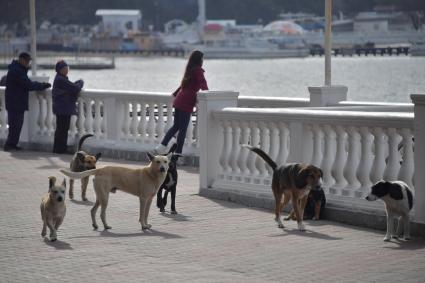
pixel 120 22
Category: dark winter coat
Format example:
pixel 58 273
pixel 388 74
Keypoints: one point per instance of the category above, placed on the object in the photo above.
pixel 65 95
pixel 17 87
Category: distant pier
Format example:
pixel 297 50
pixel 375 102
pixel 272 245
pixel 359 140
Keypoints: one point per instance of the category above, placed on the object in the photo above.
pixel 366 51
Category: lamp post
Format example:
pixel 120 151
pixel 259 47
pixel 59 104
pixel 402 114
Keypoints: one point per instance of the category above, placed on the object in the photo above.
pixel 328 42
pixel 328 94
pixel 33 38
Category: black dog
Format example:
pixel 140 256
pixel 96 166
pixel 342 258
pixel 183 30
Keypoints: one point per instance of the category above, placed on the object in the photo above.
pixel 169 185
pixel 315 204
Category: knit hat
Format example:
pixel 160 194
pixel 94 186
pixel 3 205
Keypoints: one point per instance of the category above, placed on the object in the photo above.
pixel 60 64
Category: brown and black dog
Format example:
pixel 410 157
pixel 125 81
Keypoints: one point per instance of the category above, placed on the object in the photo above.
pixel 293 182
pixel 82 161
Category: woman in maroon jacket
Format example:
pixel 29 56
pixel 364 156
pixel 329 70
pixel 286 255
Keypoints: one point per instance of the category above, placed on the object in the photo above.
pixel 193 80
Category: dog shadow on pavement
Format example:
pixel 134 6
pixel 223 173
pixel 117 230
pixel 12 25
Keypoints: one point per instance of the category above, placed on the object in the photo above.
pixel 307 233
pixel 145 233
pixel 176 217
pixel 82 202
pixel 411 245
pixel 58 244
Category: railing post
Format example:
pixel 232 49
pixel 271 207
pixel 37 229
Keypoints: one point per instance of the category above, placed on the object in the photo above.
pixel 419 153
pixel 29 128
pixel 327 95
pixel 111 113
pixel 209 130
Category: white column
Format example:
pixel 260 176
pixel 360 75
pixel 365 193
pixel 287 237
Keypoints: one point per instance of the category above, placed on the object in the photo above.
pixel 419 177
pixel 340 159
pixel 378 166
pixel 209 130
pixel 407 167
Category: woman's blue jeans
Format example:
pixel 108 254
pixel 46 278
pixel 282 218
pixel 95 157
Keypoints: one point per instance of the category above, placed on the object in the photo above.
pixel 181 122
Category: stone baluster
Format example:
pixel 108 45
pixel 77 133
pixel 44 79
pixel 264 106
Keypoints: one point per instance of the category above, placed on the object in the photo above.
pixel 352 162
pixel 340 159
pixel 3 117
pixel 196 129
pixel 224 149
pixel 393 163
pixel 365 164
pixel 50 118
pixel 317 145
pixel 235 148
pixel 378 166
pixel 189 132
pixel 151 123
pixel 169 115
pixel 73 126
pixel 126 121
pixel 283 144
pixel 160 126
pixel 274 145
pixel 142 123
pixel 134 121
pixel 103 123
pixel 97 119
pixel 244 152
pixel 264 145
pixel 88 123
pixel 253 156
pixel 328 157
pixel 228 132
pixel 407 166
pixel 42 114
pixel 81 116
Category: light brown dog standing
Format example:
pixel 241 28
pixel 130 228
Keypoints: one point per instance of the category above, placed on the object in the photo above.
pixel 142 182
pixel 53 208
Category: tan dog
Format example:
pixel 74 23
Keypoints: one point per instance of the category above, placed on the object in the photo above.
pixel 53 208
pixel 293 182
pixel 143 183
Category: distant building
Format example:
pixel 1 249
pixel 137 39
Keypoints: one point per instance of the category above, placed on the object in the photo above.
pixel 371 22
pixel 120 22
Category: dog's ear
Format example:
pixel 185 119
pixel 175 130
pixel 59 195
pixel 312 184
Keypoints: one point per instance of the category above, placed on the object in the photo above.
pixel 52 181
pixel 98 155
pixel 395 191
pixel 150 156
pixel 301 178
pixel 169 156
pixel 64 183
pixel 80 156
pixel 173 148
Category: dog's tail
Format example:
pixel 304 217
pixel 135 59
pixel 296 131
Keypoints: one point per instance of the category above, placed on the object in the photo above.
pixel 82 139
pixel 263 155
pixel 78 175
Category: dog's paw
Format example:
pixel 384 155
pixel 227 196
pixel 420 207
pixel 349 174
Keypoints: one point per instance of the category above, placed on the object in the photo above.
pixel 162 210
pixel 301 227
pixel 53 239
pixel 315 218
pixel 146 227
pixel 43 234
pixel 95 227
pixel 173 212
pixel 84 199
pixel 406 238
pixel 107 227
pixel 387 238
pixel 287 218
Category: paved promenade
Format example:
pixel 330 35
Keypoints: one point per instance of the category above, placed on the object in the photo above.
pixel 208 241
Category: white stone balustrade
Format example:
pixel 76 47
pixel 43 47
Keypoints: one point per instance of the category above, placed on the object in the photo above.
pixel 354 149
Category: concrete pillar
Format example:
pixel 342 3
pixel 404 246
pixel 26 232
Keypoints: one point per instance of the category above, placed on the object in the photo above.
pixel 209 131
pixel 419 153
pixel 327 95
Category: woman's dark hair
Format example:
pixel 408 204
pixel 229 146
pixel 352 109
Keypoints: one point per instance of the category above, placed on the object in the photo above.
pixel 195 60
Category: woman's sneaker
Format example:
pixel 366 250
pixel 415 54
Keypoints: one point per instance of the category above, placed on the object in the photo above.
pixel 160 150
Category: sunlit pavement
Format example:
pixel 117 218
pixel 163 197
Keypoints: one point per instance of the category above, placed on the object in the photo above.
pixel 207 241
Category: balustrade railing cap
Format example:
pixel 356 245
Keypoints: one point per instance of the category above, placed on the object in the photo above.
pixel 217 95
pixel 418 98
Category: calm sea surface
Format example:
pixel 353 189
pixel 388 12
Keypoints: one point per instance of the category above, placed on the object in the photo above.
pixel 390 79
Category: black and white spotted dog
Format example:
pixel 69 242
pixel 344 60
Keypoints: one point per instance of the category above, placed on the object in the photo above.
pixel 169 185
pixel 398 202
